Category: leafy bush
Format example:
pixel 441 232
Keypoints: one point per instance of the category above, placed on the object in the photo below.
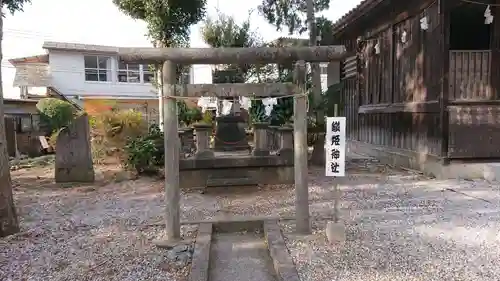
pixel 146 153
pixel 282 112
pixel 187 115
pixel 207 117
pixel 55 113
pixel 140 153
pixel 257 112
pixel 112 130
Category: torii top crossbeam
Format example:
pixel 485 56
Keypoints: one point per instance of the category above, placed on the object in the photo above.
pixel 260 55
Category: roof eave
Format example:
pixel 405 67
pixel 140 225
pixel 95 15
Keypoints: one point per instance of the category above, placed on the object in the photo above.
pixel 354 14
pixel 42 59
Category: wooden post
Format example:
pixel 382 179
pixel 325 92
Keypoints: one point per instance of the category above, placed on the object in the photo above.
pixel 444 14
pixel 300 152
pixel 171 143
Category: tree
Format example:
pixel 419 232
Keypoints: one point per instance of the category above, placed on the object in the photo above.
pixel 224 31
pixel 8 217
pixel 168 23
pixel 290 13
pixel 298 16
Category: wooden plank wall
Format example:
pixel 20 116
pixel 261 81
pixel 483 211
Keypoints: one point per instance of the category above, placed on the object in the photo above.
pixel 399 88
pixel 474 100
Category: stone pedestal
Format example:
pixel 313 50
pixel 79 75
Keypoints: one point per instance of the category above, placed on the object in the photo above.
pixel 230 134
pixel 286 141
pixel 261 147
pixel 203 132
pixel 273 138
pixel 186 137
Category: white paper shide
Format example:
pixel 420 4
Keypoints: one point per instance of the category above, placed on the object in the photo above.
pixel 335 146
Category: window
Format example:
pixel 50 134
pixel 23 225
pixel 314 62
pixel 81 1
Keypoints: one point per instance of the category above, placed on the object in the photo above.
pixel 147 74
pixel 35 122
pixel 129 73
pixel 24 123
pixel 97 68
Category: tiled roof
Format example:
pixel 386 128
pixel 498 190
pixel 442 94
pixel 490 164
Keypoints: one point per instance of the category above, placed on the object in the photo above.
pixel 355 12
pixel 31 59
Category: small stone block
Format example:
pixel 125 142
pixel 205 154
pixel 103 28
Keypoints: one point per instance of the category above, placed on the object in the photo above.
pixel 201 255
pixel 260 152
pixel 204 154
pixel 261 125
pixel 205 126
pixel 335 232
pixel 286 153
pixel 169 244
pixel 282 261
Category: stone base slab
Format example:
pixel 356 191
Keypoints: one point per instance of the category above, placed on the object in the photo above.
pixel 430 165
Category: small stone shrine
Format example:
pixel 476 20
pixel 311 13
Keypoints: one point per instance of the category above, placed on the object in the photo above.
pixel 230 132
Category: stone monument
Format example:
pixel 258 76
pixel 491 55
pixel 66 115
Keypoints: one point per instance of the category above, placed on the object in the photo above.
pixel 73 152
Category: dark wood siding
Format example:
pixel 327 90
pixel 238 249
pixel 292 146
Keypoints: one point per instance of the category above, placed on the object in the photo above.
pixel 398 87
pixel 419 95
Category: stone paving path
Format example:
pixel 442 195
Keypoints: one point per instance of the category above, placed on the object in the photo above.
pixel 240 256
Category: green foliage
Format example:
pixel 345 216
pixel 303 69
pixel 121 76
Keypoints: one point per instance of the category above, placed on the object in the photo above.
pixel 15 5
pixel 282 112
pixel 187 115
pixel 325 28
pixel 55 113
pixel 257 112
pixel 168 21
pixel 111 131
pixel 331 97
pixel 290 13
pixel 224 31
pixel 145 153
pixel 207 117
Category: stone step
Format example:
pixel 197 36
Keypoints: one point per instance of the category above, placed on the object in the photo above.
pixel 218 182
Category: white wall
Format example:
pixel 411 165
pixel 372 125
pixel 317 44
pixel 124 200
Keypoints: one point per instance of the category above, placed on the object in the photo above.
pixel 68 77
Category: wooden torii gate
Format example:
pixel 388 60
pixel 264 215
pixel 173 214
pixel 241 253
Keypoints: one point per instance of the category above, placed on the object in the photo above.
pixel 189 56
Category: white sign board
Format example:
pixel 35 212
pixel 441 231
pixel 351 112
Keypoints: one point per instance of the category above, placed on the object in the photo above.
pixel 335 147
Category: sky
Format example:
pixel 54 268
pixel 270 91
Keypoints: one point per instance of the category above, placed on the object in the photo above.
pixel 100 22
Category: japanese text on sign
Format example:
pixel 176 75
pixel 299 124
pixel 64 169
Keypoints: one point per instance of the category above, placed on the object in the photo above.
pixel 335 146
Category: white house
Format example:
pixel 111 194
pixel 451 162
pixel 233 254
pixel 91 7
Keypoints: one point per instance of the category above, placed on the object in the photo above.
pixel 91 76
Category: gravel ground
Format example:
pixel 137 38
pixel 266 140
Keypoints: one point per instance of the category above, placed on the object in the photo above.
pixel 404 227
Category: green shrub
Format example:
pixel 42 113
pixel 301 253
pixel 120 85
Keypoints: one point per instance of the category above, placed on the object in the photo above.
pixel 56 113
pixel 145 153
pixel 187 115
pixel 140 154
pixel 112 130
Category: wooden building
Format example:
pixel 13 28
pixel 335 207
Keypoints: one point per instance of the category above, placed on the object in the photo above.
pixel 423 83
